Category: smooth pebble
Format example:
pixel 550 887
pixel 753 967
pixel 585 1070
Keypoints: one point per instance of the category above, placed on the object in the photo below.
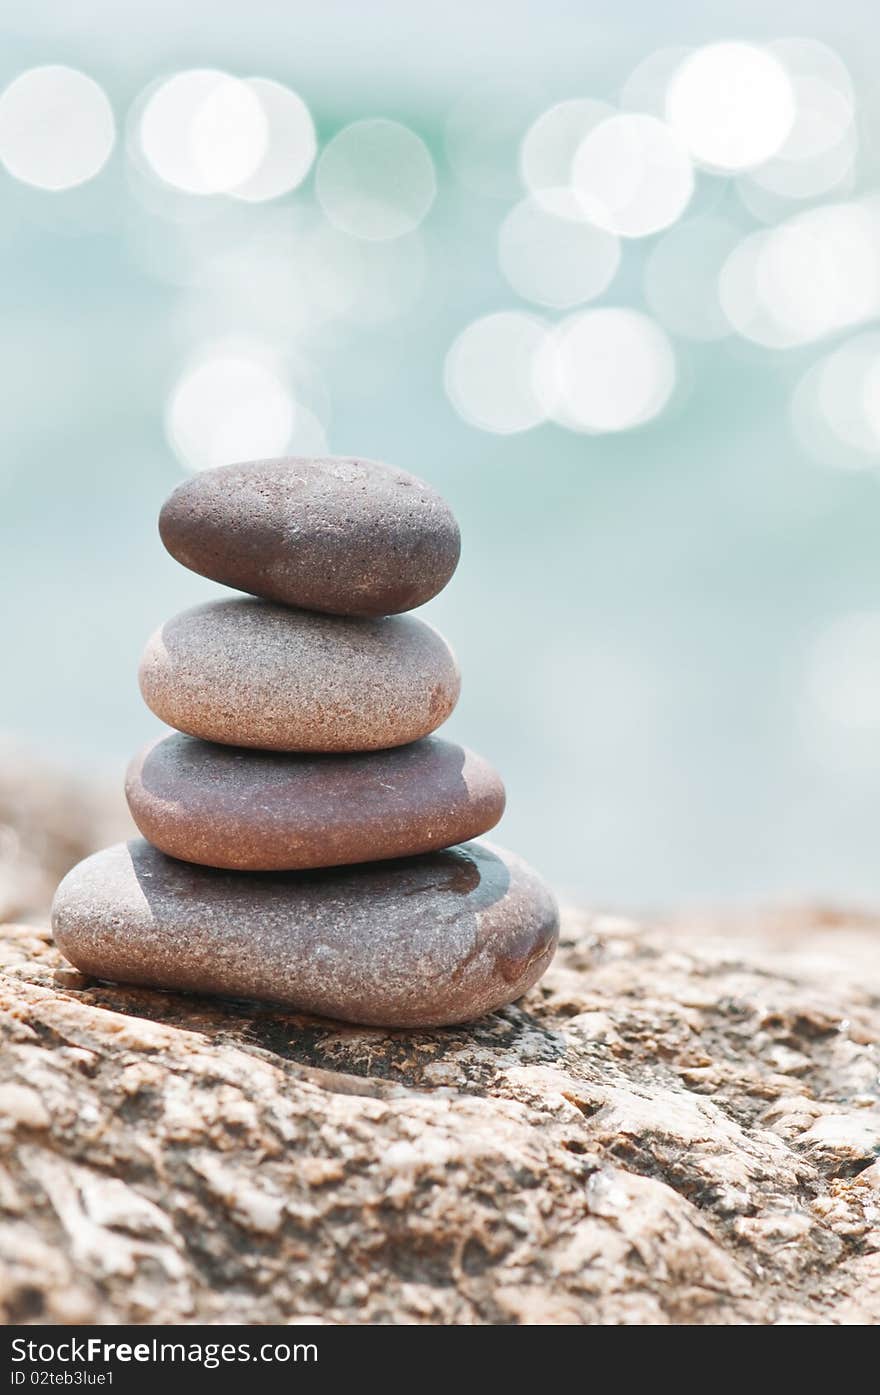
pixel 269 811
pixel 341 535
pixel 248 673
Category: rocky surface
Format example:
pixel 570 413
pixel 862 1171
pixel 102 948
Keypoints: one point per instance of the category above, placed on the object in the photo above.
pixel 679 1124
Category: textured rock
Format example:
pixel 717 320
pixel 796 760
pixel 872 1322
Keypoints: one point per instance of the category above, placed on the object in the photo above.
pixel 351 537
pixel 270 811
pixel 249 673
pixel 436 939
pixel 678 1125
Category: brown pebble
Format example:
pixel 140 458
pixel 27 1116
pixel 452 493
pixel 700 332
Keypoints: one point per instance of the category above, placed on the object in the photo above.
pixel 422 941
pixel 249 673
pixel 270 811
pixel 345 536
pixel 70 979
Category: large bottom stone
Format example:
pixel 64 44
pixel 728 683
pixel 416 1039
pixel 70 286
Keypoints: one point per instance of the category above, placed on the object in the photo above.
pixel 424 941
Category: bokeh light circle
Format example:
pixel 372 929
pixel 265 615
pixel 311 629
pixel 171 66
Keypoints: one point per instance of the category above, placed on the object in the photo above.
pixel 823 115
pixel 551 143
pixel 632 175
pixel 490 372
pixel 551 256
pixel 56 127
pixel 819 272
pixel 376 179
pixel 815 274
pixel 291 144
pixel 740 293
pixel 231 404
pixel 732 104
pixel 819 153
pixel 204 132
pixel 606 370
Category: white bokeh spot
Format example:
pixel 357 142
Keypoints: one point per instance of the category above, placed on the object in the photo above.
pixel 552 141
pixel 231 404
pixel 819 153
pixel 732 104
pixel 56 127
pixel 550 255
pixel 291 144
pixel 606 370
pixel 490 372
pixel 204 132
pixel 812 275
pixel 632 175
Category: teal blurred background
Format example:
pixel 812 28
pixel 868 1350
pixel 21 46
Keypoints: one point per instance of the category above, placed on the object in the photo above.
pixel 668 607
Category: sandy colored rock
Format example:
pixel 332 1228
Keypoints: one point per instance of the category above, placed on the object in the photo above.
pixel 677 1125
pixel 351 537
pixel 436 939
pixel 249 673
pixel 270 811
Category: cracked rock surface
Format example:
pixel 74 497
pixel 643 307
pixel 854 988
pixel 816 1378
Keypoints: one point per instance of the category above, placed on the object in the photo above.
pixel 680 1124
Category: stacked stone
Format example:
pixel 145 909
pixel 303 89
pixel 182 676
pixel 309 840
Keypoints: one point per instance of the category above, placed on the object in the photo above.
pixel 306 837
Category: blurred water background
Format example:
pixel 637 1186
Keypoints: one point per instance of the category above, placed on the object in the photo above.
pixel 607 275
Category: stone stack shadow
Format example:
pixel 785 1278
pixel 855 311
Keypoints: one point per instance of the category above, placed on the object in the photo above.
pixel 306 836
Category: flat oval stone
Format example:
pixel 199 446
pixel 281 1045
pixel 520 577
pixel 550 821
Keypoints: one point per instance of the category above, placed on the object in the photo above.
pixel 267 811
pixel 425 941
pixel 249 673
pixel 350 537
